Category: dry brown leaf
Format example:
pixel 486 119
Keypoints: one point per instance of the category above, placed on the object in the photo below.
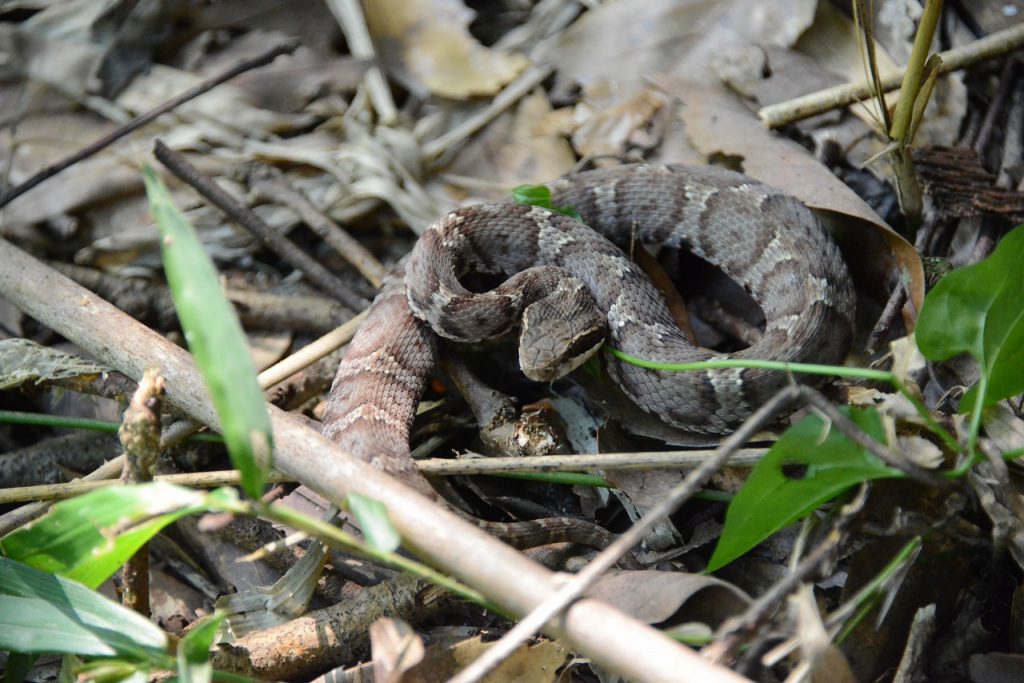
pixel 719 124
pixel 607 131
pixel 612 50
pixel 396 649
pixel 41 140
pixel 833 43
pixel 625 41
pixel 537 663
pixel 655 597
pixel 819 656
pixel 517 148
pixel 1004 428
pixel 426 43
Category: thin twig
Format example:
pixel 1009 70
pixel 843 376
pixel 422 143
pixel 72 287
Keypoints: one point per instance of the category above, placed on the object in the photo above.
pixel 512 93
pixel 796 109
pixel 1007 82
pixel 140 436
pixel 21 516
pixel 441 467
pixel 143 119
pixel 515 583
pixel 349 15
pixel 852 431
pixel 572 590
pixel 269 184
pixel 734 629
pixel 887 319
pixel 311 353
pixel 46 493
pixel 241 214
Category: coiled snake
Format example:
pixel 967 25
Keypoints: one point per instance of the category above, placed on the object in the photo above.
pixel 765 240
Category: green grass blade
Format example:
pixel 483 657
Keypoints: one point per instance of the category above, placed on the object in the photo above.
pixel 42 613
pixel 215 338
pixel 194 651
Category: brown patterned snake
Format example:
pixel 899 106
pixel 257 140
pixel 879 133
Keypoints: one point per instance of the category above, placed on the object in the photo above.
pixel 766 241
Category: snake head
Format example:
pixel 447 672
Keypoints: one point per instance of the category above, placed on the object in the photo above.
pixel 559 333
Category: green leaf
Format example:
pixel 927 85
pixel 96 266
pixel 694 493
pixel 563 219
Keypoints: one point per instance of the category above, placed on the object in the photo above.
pixel 539 195
pixel 809 465
pixel 979 309
pixel 215 338
pixel 532 195
pixel 111 671
pixel 194 651
pixel 17 667
pixel 43 613
pixel 373 519
pixel 88 537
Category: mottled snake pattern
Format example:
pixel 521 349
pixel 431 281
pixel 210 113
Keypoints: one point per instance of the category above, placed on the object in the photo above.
pixel 765 240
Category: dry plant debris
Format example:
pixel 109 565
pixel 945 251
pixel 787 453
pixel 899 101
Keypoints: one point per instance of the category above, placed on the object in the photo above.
pixel 308 144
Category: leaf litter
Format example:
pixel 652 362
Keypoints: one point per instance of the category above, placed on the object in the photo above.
pixel 661 81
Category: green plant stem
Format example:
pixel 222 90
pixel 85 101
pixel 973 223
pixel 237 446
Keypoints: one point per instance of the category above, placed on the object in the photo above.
pixel 17 417
pixel 567 478
pixel 915 68
pixel 334 536
pixel 805 368
pixel 972 434
pixel 866 595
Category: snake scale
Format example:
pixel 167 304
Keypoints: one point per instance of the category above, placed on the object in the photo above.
pixel 767 241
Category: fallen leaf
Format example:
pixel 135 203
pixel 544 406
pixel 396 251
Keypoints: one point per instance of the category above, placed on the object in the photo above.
pixel 719 124
pixel 539 662
pixel 518 148
pixel 655 597
pixel 626 41
pixel 427 45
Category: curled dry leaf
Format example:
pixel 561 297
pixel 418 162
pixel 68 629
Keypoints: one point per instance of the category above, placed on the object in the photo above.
pixel 24 361
pixel 655 597
pixel 921 452
pixel 426 44
pixel 624 42
pixel 719 124
pixel 612 50
pixel 609 130
pixel 536 663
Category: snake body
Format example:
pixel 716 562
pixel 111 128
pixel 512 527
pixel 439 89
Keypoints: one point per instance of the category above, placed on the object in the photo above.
pixel 766 241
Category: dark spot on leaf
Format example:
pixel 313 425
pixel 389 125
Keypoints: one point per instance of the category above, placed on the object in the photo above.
pixel 794 470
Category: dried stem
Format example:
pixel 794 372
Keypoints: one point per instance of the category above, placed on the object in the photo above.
pixel 143 119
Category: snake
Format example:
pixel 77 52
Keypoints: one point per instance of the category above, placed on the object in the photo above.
pixel 570 289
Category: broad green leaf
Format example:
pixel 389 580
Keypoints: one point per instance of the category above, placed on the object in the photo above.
pixel 215 338
pixel 194 651
pixel 539 195
pixel 979 309
pixel 43 613
pixel 809 465
pixel 88 537
pixel 374 522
